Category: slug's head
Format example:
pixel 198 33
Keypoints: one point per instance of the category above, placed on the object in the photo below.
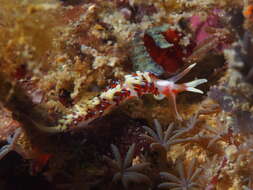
pixel 168 88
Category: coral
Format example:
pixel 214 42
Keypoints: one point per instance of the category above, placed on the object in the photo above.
pixel 163 140
pixel 219 133
pixel 190 132
pixel 186 181
pixel 124 171
pixel 160 139
pixel 190 126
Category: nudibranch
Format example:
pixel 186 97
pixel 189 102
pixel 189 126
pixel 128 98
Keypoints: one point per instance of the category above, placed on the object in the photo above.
pixel 133 85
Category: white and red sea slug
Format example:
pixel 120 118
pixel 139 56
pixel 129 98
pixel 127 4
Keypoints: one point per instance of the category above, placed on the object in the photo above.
pixel 133 85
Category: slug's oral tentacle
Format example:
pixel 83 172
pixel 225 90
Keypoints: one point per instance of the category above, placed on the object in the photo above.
pixel 172 100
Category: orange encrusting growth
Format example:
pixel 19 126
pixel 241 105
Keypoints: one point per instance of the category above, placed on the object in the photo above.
pixel 248 12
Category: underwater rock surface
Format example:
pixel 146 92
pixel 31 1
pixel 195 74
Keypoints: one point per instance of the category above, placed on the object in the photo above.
pixel 126 94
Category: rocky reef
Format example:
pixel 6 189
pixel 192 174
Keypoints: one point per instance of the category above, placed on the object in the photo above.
pixel 126 94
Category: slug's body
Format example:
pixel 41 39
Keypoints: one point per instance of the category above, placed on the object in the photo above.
pixel 134 85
